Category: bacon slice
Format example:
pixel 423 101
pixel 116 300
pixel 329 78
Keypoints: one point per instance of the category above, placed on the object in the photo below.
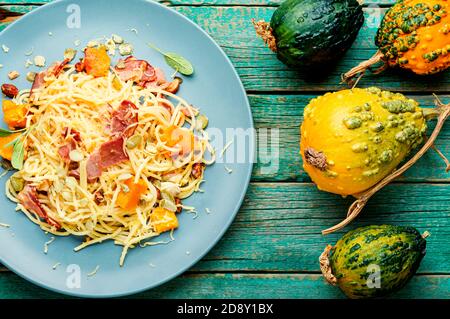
pixel 39 82
pixel 158 81
pixel 71 133
pixel 39 79
pixel 108 154
pixel 140 71
pixel 64 151
pixel 28 197
pixel 57 68
pixel 93 167
pixel 72 136
pixel 112 153
pixel 124 119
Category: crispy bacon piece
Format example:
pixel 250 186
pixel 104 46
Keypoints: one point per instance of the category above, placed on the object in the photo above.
pixel 64 151
pixel 140 71
pixel 28 197
pixel 109 154
pixel 112 153
pixel 58 67
pixel 124 119
pixel 71 133
pixel 73 137
pixel 93 167
pixel 39 79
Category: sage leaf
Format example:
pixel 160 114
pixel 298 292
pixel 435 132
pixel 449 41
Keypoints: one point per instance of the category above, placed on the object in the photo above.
pixel 5 132
pixel 18 155
pixel 178 63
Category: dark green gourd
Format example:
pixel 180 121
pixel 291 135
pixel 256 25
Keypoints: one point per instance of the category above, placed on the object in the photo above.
pixel 306 33
pixel 395 252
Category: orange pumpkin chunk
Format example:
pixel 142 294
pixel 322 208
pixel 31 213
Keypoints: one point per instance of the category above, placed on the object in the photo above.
pixel 179 137
pixel 6 151
pixel 15 115
pixel 97 61
pixel 163 220
pixel 128 198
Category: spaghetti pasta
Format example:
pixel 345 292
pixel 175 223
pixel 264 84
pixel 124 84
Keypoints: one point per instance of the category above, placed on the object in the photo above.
pixel 157 157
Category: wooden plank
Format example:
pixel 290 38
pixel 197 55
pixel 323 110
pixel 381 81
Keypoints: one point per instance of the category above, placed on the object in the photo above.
pixel 285 113
pixel 10 13
pixel 209 2
pixel 278 228
pixel 261 71
pixel 258 286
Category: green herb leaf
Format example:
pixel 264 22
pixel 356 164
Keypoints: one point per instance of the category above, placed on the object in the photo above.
pixel 178 63
pixel 18 155
pixel 5 132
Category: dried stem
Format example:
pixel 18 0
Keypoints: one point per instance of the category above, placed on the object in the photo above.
pixel 446 161
pixel 264 30
pixel 325 266
pixel 426 234
pixel 362 67
pixel 364 197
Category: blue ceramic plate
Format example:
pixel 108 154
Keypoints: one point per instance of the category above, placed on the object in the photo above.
pixel 215 88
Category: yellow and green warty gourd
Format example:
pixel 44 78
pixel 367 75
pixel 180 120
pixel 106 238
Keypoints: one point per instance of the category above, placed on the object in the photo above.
pixel 415 34
pixel 352 139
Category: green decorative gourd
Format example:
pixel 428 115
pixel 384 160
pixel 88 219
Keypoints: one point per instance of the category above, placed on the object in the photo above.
pixel 373 261
pixel 307 33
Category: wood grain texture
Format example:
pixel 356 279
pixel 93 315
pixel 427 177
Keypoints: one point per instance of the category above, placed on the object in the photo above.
pixel 271 250
pixel 209 2
pixel 285 113
pixel 261 71
pixel 278 227
pixel 239 285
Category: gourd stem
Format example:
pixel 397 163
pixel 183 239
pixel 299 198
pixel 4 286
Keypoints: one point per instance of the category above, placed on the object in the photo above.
pixel 364 197
pixel 325 267
pixel 362 67
pixel 264 30
pixel 426 234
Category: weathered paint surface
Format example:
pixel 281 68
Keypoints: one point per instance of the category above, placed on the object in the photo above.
pixel 275 241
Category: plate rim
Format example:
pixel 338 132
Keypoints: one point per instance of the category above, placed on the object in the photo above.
pixel 232 216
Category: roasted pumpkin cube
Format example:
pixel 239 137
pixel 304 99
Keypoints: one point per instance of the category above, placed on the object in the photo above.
pixel 15 115
pixel 163 220
pixel 5 149
pixel 128 198
pixel 97 61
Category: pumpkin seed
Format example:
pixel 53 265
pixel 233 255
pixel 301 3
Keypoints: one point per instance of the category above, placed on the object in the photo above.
pixel 71 182
pixel 76 156
pixel 31 76
pixel 134 141
pixel 39 61
pixel 92 44
pixel 202 121
pixel 170 188
pixel 125 49
pixel 125 176
pixel 117 39
pixel 17 183
pixel 70 54
pixel 169 205
pixel 13 75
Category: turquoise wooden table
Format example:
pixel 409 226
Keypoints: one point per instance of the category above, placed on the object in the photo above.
pixel 272 248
